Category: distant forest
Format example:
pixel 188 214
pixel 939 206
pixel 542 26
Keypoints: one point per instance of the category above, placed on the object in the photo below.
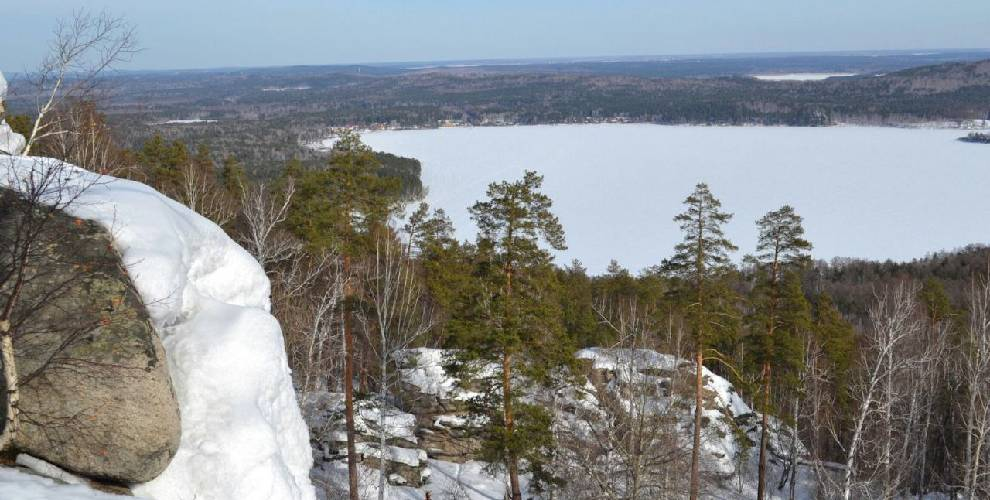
pixel 265 117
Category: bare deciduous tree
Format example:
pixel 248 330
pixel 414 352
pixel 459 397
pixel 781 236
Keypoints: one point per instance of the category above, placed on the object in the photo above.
pixel 263 212
pixel 975 408
pixel 83 47
pixel 393 315
pixel 622 441
pixel 878 393
pixel 80 135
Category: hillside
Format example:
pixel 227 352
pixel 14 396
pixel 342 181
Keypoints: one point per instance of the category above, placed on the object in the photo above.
pixel 431 446
pixel 265 116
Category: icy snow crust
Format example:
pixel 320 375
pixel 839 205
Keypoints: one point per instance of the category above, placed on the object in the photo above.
pixel 243 437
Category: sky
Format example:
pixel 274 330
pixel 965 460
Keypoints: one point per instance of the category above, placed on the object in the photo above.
pixel 179 34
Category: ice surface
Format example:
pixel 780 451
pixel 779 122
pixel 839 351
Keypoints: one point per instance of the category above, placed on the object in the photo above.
pixel 800 77
pixel 243 436
pixel 867 192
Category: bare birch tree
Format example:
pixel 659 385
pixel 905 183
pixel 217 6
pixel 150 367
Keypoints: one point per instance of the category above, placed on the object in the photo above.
pixel 870 449
pixel 199 190
pixel 83 48
pixel 624 442
pixel 393 315
pixel 264 211
pixel 975 408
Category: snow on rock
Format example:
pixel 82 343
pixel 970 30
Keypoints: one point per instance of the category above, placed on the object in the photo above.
pixel 10 142
pixel 391 422
pixel 20 485
pixel 427 372
pixel 46 469
pixel 406 456
pixel 243 436
pixel 425 368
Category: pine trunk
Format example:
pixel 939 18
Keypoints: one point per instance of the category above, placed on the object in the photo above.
pixel 764 423
pixel 352 462
pixel 513 463
pixel 698 408
pixel 764 435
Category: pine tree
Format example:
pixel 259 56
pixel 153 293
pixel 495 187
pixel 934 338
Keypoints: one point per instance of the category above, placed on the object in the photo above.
pixel 232 176
pixel 700 261
pixel 446 264
pixel 514 321
pixel 781 248
pixel 838 340
pixel 576 301
pixel 340 207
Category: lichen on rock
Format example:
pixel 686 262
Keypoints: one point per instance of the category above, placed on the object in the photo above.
pixel 95 392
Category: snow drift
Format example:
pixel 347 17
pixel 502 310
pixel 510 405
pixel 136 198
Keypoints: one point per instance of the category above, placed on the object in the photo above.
pixel 243 436
pixel 9 141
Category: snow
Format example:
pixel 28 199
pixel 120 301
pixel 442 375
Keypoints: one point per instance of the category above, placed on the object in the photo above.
pixel 324 410
pixel 447 480
pixel 467 480
pixel 428 374
pixel 243 436
pixel 408 456
pixel 395 424
pixel 46 469
pixel 800 77
pixel 612 359
pixel 285 89
pixel 864 192
pixel 187 121
pixel 9 141
pixel 19 485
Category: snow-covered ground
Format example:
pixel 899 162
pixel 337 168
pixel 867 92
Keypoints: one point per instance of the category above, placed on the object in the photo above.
pixel 18 485
pixel 186 121
pixel 243 436
pixel 800 77
pixel 869 192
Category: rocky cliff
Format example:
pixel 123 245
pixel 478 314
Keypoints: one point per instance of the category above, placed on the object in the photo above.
pixel 432 442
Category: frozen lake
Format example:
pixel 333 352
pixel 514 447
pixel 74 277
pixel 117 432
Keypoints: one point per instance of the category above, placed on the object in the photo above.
pixel 864 192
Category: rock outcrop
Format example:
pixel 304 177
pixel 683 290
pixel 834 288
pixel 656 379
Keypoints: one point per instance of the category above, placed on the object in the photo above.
pixel 95 392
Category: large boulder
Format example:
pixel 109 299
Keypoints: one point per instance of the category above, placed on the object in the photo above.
pixel 95 392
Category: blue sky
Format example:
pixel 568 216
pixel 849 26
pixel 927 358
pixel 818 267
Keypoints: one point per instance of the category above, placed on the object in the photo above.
pixel 219 33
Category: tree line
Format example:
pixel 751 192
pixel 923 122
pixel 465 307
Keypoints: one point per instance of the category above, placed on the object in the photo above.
pixel 859 376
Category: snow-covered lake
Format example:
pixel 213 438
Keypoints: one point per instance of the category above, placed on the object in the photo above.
pixel 864 192
pixel 799 77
